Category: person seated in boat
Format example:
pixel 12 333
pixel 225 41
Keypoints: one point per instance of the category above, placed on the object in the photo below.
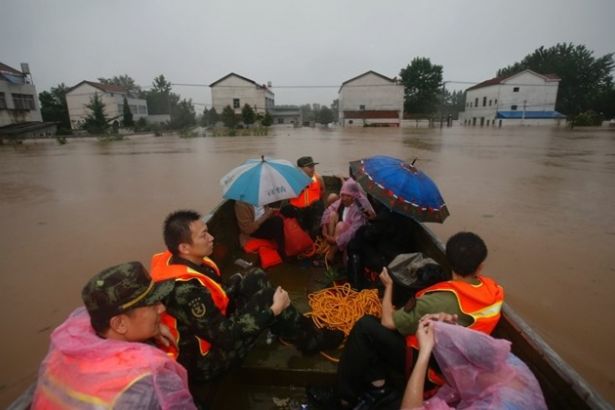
pixel 376 347
pixel 376 244
pixel 262 222
pixel 101 356
pixel 342 218
pixel 479 371
pixel 216 324
pixel 308 206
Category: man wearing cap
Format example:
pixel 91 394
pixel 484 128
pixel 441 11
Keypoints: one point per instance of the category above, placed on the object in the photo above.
pixel 99 357
pixel 309 204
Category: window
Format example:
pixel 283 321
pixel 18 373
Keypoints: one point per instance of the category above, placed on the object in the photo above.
pixel 236 103
pixel 516 90
pixel 484 101
pixel 280 120
pixel 476 102
pixel 2 102
pixel 490 101
pixel 496 101
pixel 23 102
pixel 362 107
pixel 470 105
pixel 513 107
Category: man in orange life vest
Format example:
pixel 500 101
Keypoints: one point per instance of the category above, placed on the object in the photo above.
pixel 375 347
pixel 217 325
pixel 97 358
pixel 309 205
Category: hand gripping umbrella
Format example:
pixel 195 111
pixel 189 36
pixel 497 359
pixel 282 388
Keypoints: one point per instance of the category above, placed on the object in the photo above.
pixel 401 187
pixel 263 181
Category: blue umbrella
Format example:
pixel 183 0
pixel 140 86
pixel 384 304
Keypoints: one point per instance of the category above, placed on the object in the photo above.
pixel 401 187
pixel 263 181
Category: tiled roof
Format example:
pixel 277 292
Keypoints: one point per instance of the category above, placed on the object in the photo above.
pixel 384 77
pixel 108 88
pixel 500 79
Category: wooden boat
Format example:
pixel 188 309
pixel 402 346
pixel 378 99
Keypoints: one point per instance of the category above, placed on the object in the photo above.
pixel 274 376
pixel 273 365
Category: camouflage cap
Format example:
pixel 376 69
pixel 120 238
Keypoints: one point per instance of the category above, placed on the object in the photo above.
pixel 121 288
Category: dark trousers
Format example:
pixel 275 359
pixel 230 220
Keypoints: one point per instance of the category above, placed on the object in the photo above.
pixel 372 351
pixel 272 228
pixel 309 218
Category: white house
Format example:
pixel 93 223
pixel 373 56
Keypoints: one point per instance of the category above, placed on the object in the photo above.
pixel 112 96
pixel 525 98
pixel 371 99
pixel 236 91
pixel 18 97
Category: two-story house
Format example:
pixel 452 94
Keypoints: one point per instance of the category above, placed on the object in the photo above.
pixel 524 98
pixel 371 99
pixel 18 97
pixel 235 91
pixel 112 96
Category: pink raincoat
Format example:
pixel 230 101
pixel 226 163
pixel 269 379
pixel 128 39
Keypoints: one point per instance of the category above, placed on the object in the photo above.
pixel 85 371
pixel 481 373
pixel 355 216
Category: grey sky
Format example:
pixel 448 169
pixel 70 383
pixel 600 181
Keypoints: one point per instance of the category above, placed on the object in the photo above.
pixel 287 42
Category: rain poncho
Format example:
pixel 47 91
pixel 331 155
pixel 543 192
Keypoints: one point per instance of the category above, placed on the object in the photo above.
pixel 481 373
pixel 356 213
pixel 83 370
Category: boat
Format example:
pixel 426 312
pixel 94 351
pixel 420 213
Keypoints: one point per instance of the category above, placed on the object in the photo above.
pixel 275 376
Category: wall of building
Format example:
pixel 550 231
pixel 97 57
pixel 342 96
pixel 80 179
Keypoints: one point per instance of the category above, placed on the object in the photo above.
pixel 371 92
pixel 10 115
pixel 532 93
pixel 231 88
pixel 78 98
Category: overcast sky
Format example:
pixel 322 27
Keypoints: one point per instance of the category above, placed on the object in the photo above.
pixel 287 42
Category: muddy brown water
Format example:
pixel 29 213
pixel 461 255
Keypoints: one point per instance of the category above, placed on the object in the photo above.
pixel 542 199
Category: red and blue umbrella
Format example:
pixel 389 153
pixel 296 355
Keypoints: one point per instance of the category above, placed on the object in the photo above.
pixel 263 181
pixel 401 187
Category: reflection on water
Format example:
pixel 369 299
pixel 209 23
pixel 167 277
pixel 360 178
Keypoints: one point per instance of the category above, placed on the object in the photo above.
pixel 542 199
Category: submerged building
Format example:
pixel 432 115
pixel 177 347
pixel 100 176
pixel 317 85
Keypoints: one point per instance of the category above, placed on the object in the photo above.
pixel 524 98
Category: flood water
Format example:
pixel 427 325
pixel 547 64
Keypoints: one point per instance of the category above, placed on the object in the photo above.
pixel 542 200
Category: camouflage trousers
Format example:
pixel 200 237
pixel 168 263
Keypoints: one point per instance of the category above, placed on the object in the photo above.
pixel 252 297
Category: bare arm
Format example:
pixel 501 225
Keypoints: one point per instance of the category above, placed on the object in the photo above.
pixel 387 301
pixel 413 396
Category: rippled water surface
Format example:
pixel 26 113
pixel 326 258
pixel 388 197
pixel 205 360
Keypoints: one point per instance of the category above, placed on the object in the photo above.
pixel 542 200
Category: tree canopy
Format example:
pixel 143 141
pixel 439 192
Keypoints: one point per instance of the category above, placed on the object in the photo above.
pixel 160 99
pixel 584 78
pixel 248 116
pixel 125 81
pixel 183 115
pixel 228 117
pixel 54 108
pixel 127 118
pixel 422 81
pixel 325 115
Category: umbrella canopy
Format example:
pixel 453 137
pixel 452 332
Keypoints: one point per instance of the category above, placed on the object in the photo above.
pixel 401 187
pixel 263 181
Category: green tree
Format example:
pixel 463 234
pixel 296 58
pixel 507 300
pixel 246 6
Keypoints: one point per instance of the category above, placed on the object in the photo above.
pixel 124 81
pixel 228 117
pixel 183 115
pixel 454 103
pixel 605 103
pixel 307 113
pixel 422 83
pixel 325 115
pixel 96 121
pixel 160 99
pixel 127 114
pixel 54 108
pixel 204 120
pixel 248 116
pixel 584 78
pixel 335 108
pixel 267 120
pixel 213 117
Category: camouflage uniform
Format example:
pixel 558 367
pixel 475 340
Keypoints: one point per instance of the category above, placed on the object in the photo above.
pixel 234 335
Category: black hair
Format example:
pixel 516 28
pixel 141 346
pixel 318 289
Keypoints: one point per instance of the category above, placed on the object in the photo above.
pixel 465 252
pixel 100 324
pixel 177 229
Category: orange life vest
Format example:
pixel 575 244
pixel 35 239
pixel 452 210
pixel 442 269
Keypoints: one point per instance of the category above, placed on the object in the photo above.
pixel 73 377
pixel 309 195
pixel 163 270
pixel 483 302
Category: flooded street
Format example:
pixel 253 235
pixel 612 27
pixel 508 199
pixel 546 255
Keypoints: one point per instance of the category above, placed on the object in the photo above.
pixel 542 200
